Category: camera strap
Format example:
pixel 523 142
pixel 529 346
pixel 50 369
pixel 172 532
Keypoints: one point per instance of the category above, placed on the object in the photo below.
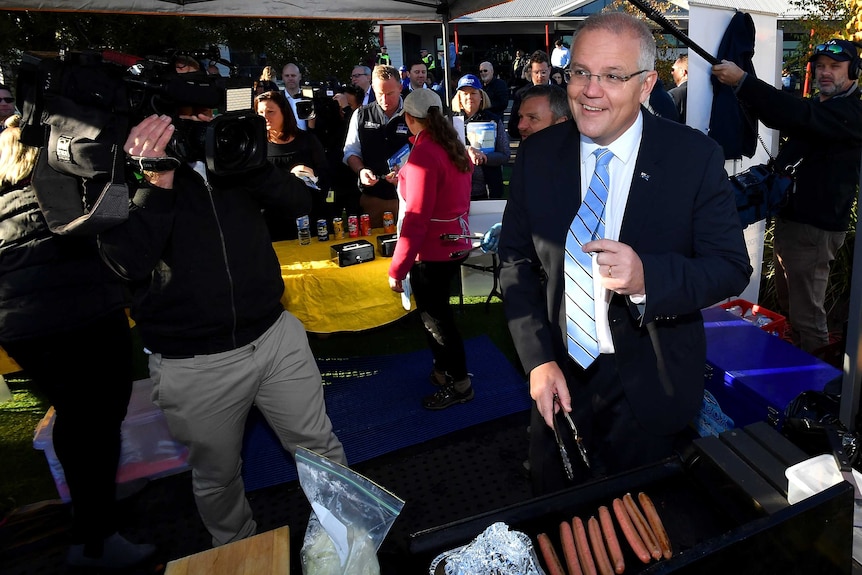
pixel 60 199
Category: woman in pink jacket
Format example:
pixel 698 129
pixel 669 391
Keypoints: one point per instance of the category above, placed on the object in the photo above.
pixel 434 189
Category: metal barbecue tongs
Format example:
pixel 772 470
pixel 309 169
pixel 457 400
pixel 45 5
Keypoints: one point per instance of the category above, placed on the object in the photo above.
pixel 454 237
pixel 564 454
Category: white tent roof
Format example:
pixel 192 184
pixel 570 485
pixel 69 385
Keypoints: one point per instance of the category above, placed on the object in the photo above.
pixel 415 10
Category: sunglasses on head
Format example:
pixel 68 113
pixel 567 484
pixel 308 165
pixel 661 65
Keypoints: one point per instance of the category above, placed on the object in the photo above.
pixel 830 48
pixel 7 100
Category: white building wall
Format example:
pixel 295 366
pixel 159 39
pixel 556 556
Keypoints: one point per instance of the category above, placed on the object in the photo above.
pixel 706 28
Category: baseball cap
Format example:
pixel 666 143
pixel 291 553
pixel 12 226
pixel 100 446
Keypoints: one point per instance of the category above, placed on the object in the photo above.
pixel 470 81
pixel 402 68
pixel 838 50
pixel 419 101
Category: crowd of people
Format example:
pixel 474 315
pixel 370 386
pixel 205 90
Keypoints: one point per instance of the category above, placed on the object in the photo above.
pixel 604 310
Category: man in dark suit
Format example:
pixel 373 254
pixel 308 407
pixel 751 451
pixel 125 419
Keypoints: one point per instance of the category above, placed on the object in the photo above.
pixel 680 92
pixel 540 75
pixel 672 245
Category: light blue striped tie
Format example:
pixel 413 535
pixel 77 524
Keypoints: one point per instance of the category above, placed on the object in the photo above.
pixel 588 225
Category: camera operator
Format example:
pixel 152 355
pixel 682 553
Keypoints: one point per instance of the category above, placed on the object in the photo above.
pixel 293 92
pixel 207 293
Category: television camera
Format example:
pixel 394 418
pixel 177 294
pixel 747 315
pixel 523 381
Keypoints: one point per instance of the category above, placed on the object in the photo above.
pixel 78 108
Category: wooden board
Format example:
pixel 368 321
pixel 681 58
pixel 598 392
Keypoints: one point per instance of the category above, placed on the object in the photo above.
pixel 264 554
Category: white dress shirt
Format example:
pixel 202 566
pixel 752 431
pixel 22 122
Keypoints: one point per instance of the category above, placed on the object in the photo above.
pixel 621 170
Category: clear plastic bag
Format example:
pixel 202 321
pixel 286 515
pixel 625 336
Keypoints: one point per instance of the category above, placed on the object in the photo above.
pixel 496 550
pixel 351 516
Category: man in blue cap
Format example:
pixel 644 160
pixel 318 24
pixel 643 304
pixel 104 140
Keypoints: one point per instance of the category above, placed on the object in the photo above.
pixel 405 77
pixel 825 140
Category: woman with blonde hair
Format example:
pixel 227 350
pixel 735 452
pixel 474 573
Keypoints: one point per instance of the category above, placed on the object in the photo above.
pixel 61 307
pixel 472 103
pixel 434 193
pixel 266 82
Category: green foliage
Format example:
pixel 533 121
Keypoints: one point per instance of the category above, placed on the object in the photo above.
pixel 322 48
pixel 821 20
pixel 666 44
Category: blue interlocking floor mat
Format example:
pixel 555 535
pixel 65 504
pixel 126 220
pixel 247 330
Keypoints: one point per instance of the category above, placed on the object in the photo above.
pixel 375 407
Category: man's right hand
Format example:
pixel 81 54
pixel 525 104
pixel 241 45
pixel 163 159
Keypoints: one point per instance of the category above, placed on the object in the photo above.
pixel 728 73
pixel 545 381
pixel 367 177
pixel 150 139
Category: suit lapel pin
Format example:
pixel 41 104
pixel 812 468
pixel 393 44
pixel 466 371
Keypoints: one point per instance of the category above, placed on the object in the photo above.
pixel 645 176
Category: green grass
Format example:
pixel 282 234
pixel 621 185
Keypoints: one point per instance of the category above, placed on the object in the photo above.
pixel 27 479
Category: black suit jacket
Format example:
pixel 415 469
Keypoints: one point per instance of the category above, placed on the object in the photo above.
pixel 680 218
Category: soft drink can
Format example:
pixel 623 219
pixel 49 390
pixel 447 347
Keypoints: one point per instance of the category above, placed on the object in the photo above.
pixel 322 231
pixel 365 224
pixel 353 227
pixel 389 222
pixel 338 228
pixel 302 225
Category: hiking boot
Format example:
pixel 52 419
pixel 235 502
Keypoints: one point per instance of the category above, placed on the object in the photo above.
pixel 447 395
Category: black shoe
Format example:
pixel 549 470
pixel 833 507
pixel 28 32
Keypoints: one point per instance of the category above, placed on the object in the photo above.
pixel 446 396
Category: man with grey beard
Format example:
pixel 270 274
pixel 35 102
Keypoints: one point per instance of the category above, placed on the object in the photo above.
pixel 825 139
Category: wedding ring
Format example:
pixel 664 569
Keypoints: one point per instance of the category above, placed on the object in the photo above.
pixel 610 271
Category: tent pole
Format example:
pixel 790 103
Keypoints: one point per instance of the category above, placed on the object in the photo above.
pixel 446 83
pixel 851 388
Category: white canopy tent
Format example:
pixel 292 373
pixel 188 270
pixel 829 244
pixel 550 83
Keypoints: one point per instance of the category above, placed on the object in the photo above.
pixel 414 10
pixel 411 10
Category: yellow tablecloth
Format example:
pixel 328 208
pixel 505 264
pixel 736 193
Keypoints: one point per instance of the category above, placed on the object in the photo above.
pixel 327 298
pixel 7 364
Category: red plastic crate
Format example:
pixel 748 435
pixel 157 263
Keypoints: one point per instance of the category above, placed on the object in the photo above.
pixel 751 312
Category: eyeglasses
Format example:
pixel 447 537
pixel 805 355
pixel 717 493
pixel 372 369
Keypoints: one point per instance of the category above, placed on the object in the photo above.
pixel 831 48
pixel 357 75
pixel 7 100
pixel 582 77
pixel 484 71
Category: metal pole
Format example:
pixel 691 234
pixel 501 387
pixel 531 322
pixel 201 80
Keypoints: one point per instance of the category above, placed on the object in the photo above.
pixel 852 383
pixel 447 86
